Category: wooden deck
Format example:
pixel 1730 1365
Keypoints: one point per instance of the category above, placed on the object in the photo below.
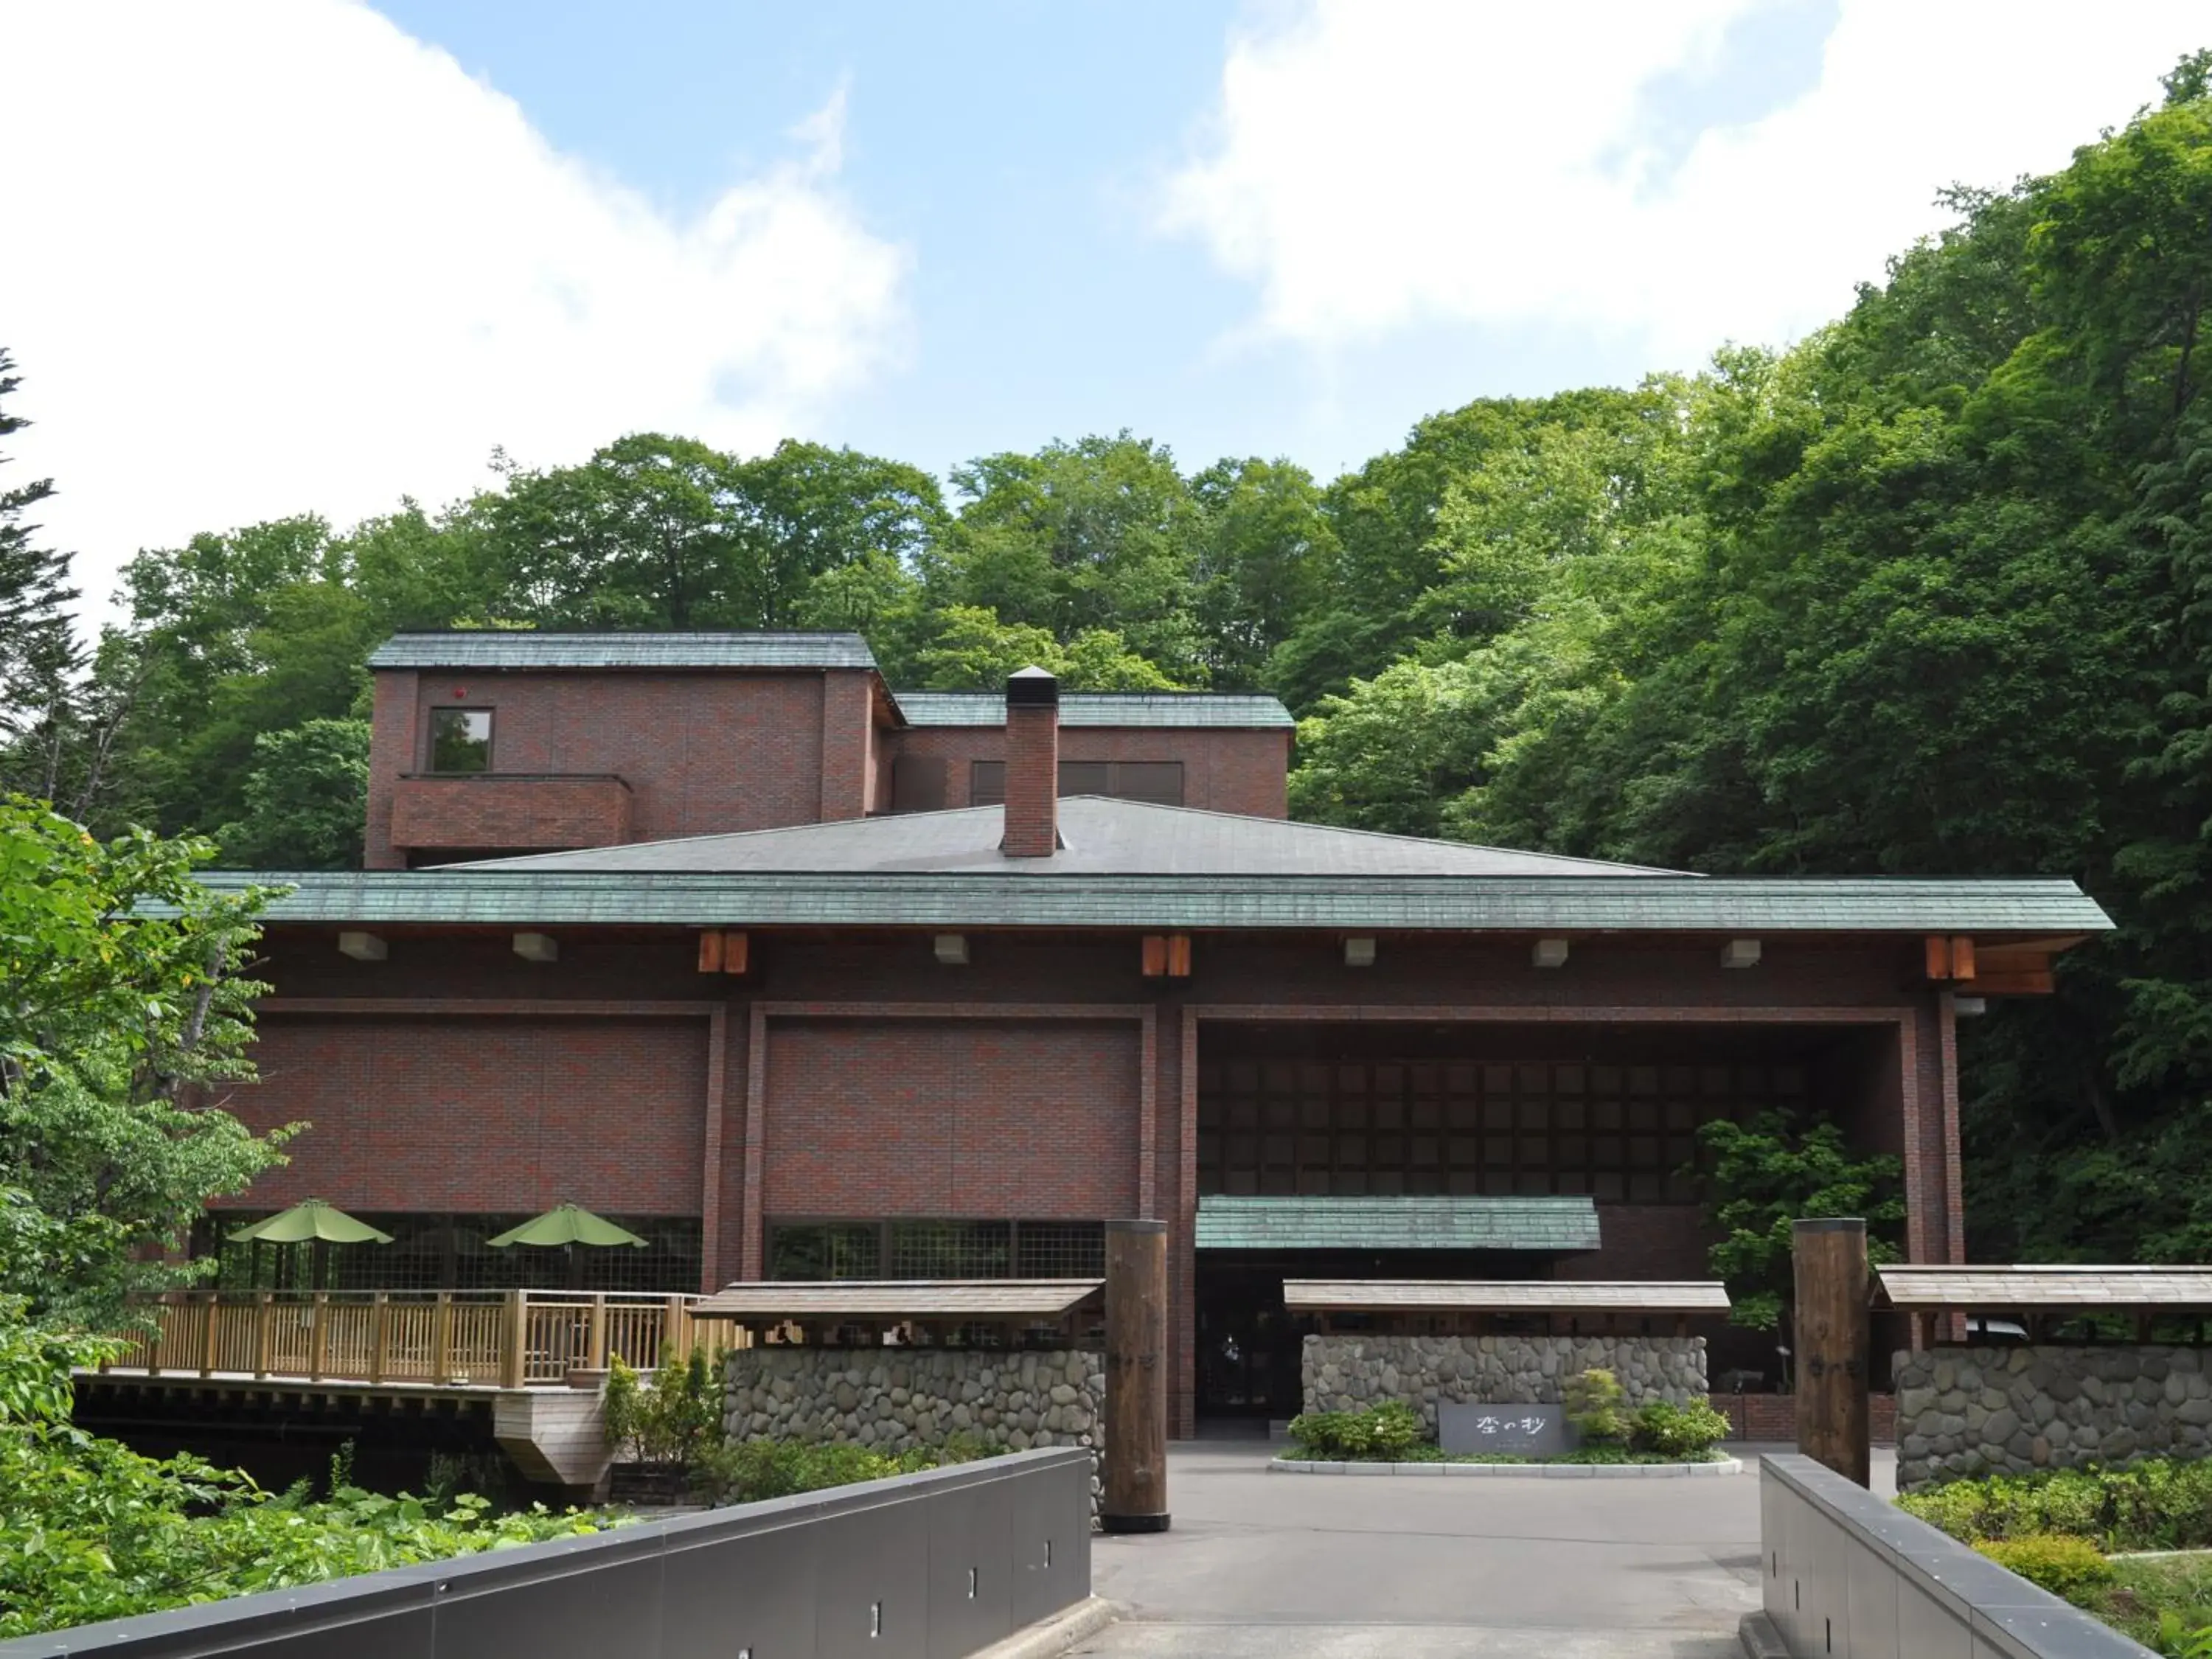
pixel 438 1342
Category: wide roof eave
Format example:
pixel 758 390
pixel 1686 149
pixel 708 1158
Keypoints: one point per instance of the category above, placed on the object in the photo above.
pixel 1991 908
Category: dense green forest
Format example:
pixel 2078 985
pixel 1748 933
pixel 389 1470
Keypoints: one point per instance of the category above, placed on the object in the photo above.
pixel 1931 592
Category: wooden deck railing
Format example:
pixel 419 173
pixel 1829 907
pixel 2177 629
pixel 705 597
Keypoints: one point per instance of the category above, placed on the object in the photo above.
pixel 487 1339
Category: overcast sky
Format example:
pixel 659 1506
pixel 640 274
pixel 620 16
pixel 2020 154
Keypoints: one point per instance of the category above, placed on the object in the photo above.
pixel 272 256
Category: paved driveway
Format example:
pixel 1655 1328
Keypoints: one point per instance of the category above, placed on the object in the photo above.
pixel 1414 1566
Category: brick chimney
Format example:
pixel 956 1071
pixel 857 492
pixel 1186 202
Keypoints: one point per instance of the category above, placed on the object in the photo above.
pixel 1032 829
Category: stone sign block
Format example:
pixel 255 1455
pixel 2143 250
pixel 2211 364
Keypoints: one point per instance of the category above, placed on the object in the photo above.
pixel 1521 1430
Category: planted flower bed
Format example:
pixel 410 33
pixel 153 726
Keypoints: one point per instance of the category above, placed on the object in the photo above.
pixel 2131 1546
pixel 1392 1432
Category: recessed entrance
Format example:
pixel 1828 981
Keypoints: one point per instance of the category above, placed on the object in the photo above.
pixel 1250 1346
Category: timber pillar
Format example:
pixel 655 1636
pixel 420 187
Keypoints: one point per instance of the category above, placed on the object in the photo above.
pixel 1830 1341
pixel 1135 1474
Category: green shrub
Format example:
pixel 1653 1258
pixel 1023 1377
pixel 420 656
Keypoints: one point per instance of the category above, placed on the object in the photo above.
pixel 673 1419
pixel 2176 1638
pixel 622 1409
pixel 1596 1406
pixel 2062 1565
pixel 1682 1431
pixel 1385 1433
pixel 2157 1505
pixel 751 1471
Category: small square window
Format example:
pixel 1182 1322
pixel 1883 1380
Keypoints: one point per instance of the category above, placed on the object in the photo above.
pixel 460 739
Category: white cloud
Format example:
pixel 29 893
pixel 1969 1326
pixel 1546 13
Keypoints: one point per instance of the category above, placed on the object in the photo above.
pixel 1373 166
pixel 273 256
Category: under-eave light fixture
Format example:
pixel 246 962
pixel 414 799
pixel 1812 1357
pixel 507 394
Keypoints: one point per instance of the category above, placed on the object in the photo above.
pixel 363 947
pixel 1359 952
pixel 951 949
pixel 1740 953
pixel 538 947
pixel 1549 953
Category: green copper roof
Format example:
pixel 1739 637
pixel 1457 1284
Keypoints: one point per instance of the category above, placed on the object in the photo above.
pixel 1180 708
pixel 1396 1224
pixel 2033 907
pixel 528 648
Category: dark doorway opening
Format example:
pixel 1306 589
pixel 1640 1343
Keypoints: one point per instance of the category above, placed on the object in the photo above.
pixel 1250 1347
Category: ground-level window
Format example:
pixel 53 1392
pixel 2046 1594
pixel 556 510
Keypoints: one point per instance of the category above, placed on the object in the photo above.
pixel 936 1250
pixel 1615 1133
pixel 461 740
pixel 1157 782
pixel 441 1251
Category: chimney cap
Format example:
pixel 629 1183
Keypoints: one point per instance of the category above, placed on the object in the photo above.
pixel 1032 688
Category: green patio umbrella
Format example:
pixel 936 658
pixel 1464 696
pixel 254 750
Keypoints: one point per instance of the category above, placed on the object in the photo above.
pixel 562 1228
pixel 312 1222
pixel 567 1223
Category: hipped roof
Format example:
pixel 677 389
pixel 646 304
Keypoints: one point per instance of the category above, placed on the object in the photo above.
pixel 1099 836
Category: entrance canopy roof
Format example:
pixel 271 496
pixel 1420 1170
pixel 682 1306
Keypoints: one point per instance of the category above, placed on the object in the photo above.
pixel 773 1301
pixel 1501 1295
pixel 1918 1289
pixel 1308 1222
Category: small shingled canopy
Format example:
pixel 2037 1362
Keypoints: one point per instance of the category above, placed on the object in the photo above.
pixel 315 1222
pixel 1505 1296
pixel 2042 1292
pixel 880 1305
pixel 1393 1301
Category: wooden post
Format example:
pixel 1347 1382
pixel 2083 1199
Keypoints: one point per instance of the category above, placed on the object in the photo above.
pixel 516 1327
pixel 1831 1345
pixel 595 1345
pixel 379 1323
pixel 441 1338
pixel 675 1341
pixel 208 1337
pixel 264 1331
pixel 1136 1430
pixel 164 1307
pixel 318 1335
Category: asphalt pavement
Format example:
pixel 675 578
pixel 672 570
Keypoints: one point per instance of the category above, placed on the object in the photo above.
pixel 1419 1566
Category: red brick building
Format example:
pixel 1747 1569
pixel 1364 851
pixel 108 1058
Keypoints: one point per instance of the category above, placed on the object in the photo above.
pixel 799 975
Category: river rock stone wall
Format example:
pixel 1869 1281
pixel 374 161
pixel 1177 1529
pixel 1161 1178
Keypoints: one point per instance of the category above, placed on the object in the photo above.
pixel 1350 1373
pixel 895 1399
pixel 1969 1411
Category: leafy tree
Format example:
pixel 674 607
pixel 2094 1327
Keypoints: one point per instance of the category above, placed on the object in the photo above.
pixel 1096 534
pixel 974 651
pixel 39 657
pixel 1264 551
pixel 1774 1170
pixel 1391 753
pixel 657 531
pixel 306 799
pixel 123 1006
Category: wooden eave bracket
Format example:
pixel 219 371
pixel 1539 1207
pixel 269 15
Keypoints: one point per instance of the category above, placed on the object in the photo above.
pixel 724 951
pixel 1165 955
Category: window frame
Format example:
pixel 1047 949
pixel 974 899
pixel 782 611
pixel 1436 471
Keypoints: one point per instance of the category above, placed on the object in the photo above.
pixel 430 766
